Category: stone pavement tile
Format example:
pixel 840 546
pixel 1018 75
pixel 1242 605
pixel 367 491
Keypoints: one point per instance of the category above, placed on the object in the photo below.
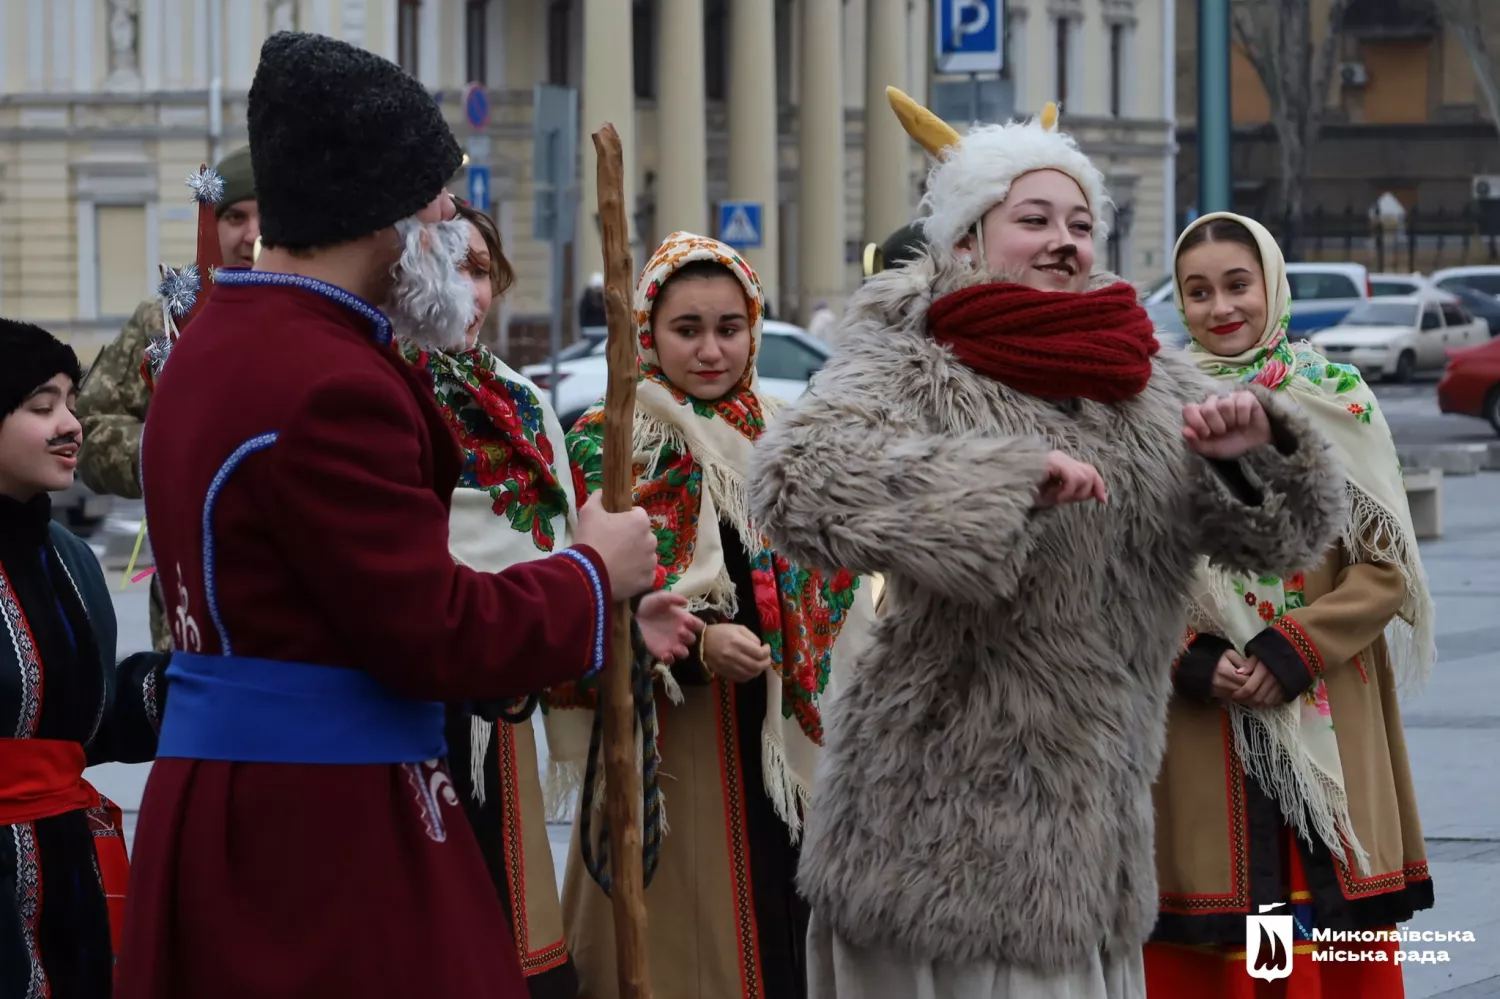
pixel 1457 781
pixel 1460 694
pixel 1466 894
pixel 1487 989
pixel 1474 851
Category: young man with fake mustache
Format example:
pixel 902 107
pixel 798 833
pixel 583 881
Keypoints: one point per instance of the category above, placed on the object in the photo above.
pixel 300 835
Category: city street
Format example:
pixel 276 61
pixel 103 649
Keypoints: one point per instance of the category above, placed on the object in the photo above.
pixel 1452 728
pixel 1413 413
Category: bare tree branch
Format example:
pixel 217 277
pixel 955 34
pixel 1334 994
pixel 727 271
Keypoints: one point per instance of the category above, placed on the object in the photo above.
pixel 1244 33
pixel 1324 68
pixel 1277 38
pixel 1465 21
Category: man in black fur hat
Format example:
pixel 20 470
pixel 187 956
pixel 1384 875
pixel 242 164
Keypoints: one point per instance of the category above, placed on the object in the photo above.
pixel 300 835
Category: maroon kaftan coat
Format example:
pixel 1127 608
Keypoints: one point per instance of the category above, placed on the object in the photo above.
pixel 330 547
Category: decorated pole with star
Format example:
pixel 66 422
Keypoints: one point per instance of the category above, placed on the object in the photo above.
pixel 183 292
pixel 622 776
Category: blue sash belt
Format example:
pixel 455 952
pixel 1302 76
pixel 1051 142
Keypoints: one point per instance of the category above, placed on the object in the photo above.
pixel 266 711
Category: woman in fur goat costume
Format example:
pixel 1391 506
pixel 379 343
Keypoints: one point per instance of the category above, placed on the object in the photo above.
pixel 1035 483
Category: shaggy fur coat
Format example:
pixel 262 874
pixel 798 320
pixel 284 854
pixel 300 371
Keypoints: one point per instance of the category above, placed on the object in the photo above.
pixel 985 793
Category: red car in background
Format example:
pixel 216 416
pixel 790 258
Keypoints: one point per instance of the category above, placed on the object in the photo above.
pixel 1471 383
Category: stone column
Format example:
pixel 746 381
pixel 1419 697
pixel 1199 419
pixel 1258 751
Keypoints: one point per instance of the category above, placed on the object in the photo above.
pixel 753 134
pixel 608 96
pixel 887 151
pixel 820 196
pixel 682 164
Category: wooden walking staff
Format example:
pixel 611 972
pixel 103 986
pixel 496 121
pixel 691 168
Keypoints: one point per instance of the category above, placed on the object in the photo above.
pixel 622 777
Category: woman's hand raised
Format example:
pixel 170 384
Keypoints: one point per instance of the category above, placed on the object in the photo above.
pixel 1068 480
pixel 1226 426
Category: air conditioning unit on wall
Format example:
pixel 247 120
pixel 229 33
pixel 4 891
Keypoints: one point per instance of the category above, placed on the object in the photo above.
pixel 1486 187
pixel 1354 74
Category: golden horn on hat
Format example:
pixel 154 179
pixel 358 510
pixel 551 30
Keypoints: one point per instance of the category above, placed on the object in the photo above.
pixel 874 260
pixel 1049 115
pixel 933 133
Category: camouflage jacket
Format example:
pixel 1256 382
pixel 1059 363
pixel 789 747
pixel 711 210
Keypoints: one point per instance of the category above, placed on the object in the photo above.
pixel 112 408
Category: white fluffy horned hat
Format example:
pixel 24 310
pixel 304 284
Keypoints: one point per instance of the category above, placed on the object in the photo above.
pixel 973 172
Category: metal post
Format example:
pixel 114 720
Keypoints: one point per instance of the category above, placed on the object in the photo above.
pixel 555 208
pixel 1215 124
pixel 973 97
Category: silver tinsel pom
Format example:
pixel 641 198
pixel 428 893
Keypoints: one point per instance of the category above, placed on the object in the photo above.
pixel 156 354
pixel 179 289
pixel 207 186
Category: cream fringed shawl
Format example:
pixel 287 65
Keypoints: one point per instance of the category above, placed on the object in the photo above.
pixel 1291 749
pixel 690 459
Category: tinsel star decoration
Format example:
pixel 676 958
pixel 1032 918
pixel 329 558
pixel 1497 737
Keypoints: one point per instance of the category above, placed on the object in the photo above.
pixel 207 186
pixel 179 289
pixel 156 354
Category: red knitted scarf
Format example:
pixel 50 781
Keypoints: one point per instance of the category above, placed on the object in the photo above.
pixel 1057 345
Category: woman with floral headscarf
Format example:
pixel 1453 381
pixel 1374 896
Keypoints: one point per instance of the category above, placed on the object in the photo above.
pixel 740 725
pixel 1285 694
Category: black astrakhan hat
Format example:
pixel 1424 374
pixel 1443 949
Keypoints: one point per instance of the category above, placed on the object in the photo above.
pixel 900 247
pixel 30 357
pixel 343 143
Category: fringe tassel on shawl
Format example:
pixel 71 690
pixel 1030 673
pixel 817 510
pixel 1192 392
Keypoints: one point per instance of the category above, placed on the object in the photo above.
pixel 1314 805
pixel 480 733
pixel 1373 535
pixel 789 796
pixel 653 439
pixel 1268 741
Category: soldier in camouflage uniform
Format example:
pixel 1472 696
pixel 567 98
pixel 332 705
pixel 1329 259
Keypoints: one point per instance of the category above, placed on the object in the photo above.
pixel 113 400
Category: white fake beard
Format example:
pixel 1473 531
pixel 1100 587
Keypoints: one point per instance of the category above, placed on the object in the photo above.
pixel 431 304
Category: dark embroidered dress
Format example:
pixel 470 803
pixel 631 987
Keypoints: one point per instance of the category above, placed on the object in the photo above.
pixel 62 875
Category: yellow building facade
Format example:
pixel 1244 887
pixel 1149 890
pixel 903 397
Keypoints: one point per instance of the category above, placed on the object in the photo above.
pixel 106 106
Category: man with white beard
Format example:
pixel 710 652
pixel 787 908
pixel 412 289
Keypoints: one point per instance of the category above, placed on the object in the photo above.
pixel 516 502
pixel 300 835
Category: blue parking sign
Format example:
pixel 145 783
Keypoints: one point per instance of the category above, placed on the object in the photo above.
pixel 969 36
pixel 740 224
pixel 479 187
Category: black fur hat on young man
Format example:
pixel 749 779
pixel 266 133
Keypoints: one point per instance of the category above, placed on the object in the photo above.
pixel 343 143
pixel 30 357
pixel 900 247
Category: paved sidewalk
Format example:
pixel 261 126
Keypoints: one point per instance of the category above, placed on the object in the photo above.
pixel 1453 735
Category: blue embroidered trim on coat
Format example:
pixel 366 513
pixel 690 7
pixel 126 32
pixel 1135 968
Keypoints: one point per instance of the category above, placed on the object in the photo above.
pixel 245 278
pixel 598 584
pixel 246 449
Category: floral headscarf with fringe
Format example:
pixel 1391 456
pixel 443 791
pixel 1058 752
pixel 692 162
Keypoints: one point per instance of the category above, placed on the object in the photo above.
pixel 1291 749
pixel 691 460
pixel 513 454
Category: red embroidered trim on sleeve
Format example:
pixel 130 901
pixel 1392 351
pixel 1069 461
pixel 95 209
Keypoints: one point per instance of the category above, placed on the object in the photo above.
pixel 1187 641
pixel 1293 633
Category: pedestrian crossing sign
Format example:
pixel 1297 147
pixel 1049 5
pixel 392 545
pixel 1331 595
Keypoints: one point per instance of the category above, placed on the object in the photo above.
pixel 740 224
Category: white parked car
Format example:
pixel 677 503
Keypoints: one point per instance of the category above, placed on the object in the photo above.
pixel 789 356
pixel 1386 285
pixel 1480 277
pixel 1398 336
